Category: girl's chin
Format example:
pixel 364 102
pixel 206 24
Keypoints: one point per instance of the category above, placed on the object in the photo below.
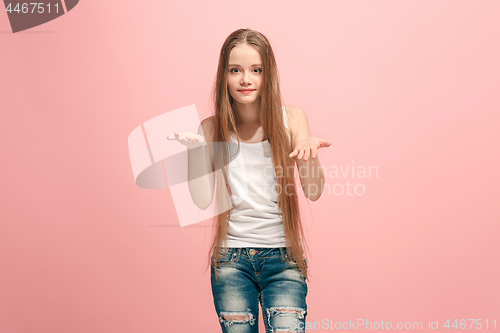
pixel 247 101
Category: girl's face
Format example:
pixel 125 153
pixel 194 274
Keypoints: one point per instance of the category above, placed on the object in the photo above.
pixel 244 73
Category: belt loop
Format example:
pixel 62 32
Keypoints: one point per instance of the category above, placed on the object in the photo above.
pixel 238 254
pixel 282 254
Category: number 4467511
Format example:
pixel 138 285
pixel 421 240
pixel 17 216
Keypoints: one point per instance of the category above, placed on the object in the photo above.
pixel 477 322
pixel 35 5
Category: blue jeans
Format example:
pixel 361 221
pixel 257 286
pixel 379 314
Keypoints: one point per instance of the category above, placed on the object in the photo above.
pixel 247 276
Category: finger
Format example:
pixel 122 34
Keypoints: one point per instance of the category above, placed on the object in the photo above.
pixel 174 136
pixel 325 143
pixel 294 153
pixel 301 154
pixel 307 152
pixel 313 152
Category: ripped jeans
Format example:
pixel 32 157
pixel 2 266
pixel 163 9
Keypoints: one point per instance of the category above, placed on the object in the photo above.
pixel 249 276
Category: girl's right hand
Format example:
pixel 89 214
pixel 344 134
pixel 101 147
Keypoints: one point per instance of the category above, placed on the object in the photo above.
pixel 188 139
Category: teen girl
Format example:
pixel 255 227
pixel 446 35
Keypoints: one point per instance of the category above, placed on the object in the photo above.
pixel 257 254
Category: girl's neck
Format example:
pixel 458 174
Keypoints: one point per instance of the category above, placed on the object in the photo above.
pixel 248 114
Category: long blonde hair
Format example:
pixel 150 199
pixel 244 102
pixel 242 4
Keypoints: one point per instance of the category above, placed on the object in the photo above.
pixel 271 117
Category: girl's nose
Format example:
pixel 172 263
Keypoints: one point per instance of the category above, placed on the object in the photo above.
pixel 245 78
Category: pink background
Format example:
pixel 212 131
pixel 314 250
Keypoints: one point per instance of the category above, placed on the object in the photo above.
pixel 410 87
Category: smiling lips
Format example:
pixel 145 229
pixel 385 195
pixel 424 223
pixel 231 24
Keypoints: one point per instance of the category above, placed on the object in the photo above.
pixel 246 91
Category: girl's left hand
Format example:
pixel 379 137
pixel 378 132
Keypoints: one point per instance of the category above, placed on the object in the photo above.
pixel 308 147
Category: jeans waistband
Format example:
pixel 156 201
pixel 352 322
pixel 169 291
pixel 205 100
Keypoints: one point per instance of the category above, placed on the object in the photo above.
pixel 257 252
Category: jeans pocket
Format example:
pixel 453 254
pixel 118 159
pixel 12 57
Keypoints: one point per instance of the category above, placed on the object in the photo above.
pixel 226 258
pixel 293 263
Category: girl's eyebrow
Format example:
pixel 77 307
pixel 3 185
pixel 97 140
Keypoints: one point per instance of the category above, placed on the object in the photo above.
pixel 240 66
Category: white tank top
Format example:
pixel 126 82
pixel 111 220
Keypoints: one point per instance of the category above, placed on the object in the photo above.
pixel 256 219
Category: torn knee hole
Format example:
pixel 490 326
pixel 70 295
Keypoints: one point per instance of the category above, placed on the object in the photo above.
pixel 287 310
pixel 237 317
pixel 229 318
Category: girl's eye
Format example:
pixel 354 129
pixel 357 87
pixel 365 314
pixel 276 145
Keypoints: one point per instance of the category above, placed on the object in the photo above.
pixel 236 69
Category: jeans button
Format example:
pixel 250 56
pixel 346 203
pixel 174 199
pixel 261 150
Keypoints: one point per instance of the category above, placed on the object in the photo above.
pixel 251 252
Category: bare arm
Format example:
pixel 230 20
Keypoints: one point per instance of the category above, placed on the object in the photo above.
pixel 200 172
pixel 200 167
pixel 311 174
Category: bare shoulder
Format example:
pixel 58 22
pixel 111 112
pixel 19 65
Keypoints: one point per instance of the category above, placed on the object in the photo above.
pixel 294 112
pixel 297 122
pixel 208 126
pixel 296 117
